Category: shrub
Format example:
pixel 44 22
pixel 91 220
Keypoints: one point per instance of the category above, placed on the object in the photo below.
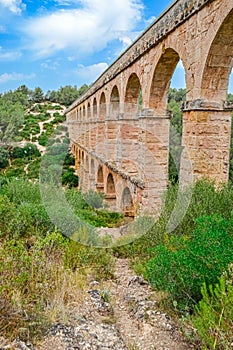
pixel 70 179
pixel 4 158
pixel 100 260
pixel 94 199
pixel 213 316
pixel 30 150
pixel 43 139
pixel 205 200
pixel 181 266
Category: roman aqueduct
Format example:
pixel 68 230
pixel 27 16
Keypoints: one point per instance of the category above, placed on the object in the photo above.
pixel 122 150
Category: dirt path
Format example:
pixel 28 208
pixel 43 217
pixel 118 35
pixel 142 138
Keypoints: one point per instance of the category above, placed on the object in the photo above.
pixel 121 314
pixel 141 324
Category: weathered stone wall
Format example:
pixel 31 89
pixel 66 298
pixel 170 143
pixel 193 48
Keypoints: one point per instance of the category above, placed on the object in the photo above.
pixel 132 142
pixel 175 15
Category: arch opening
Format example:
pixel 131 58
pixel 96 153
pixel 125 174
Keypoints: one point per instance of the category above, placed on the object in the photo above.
pixel 127 203
pixel 176 97
pixel 100 180
pixel 114 103
pixel 133 97
pixel 84 112
pixel 218 67
pixel 110 185
pixel 167 93
pixel 88 110
pixel 110 196
pixel 94 109
pixel 102 112
pixel 161 80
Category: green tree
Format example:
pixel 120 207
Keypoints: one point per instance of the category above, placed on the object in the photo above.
pixel 37 95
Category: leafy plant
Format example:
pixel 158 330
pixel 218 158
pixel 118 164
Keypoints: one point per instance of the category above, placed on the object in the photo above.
pixel 213 316
pixel 182 265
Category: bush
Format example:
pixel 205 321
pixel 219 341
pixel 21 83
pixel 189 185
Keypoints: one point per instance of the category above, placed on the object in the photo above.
pixel 4 158
pixel 43 139
pixel 182 265
pixel 70 179
pixel 205 200
pixel 30 150
pixel 213 316
pixel 94 199
pixel 79 256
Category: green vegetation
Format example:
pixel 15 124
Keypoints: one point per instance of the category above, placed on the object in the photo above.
pixel 214 313
pixel 175 100
pixel 184 264
pixel 42 272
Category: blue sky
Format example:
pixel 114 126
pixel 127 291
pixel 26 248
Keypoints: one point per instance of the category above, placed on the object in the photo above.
pixel 69 42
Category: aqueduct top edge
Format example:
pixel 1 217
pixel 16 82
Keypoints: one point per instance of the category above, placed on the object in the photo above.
pixel 178 12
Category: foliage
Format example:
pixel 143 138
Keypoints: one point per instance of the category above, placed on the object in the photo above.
pixel 213 316
pixel 86 212
pixel 37 284
pixel 175 100
pixel 29 150
pixel 65 95
pixel 94 199
pixel 37 95
pixel 183 264
pixel 43 139
pixel 4 157
pixel 41 272
pixel 205 200
pixel 70 179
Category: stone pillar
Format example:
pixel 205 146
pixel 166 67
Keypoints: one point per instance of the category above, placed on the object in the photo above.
pixel 128 145
pixel 206 141
pixel 100 139
pixel 153 158
pixel 110 139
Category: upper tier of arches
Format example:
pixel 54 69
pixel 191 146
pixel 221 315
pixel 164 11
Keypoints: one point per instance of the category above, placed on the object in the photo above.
pixel 203 44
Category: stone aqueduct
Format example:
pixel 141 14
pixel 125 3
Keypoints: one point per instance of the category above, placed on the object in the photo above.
pixel 122 150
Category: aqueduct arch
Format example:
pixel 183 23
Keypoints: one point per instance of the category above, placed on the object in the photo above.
pixel 102 108
pixel 114 103
pixel 199 33
pixel 219 63
pixel 161 80
pixel 132 94
pixel 127 202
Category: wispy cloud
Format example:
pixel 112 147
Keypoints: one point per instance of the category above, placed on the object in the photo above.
pixel 86 29
pixel 2 29
pixel 9 55
pixel 15 6
pixel 51 65
pixel 6 77
pixel 90 73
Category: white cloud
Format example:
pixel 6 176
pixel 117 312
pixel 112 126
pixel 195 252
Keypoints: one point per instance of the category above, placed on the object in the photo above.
pixel 149 21
pixel 9 55
pixel 90 73
pixel 86 29
pixel 6 77
pixel 51 65
pixel 126 41
pixel 15 6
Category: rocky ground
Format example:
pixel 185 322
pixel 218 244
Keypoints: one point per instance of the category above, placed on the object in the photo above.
pixel 120 314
